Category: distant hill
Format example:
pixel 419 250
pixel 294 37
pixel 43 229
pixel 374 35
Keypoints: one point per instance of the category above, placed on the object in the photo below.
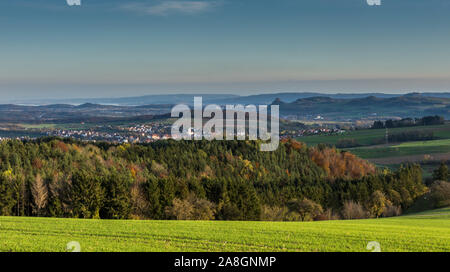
pixel 410 105
pixel 136 100
pixel 88 112
pixel 338 107
pixel 220 99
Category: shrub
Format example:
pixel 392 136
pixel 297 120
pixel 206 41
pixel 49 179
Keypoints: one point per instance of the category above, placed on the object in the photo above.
pixel 327 215
pixel 353 210
pixel 274 213
pixel 230 211
pixel 440 193
pixel 392 210
pixel 441 173
pixel 203 210
pixel 307 209
pixel 180 210
pixel 191 208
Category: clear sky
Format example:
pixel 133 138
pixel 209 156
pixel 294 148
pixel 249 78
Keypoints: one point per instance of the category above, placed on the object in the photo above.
pixel 111 48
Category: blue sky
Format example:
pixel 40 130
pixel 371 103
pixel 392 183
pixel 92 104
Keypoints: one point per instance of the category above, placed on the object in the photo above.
pixel 110 48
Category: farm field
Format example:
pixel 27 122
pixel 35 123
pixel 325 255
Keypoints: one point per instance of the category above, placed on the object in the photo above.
pixel 369 136
pixel 395 154
pixel 428 231
pixel 404 149
pixel 429 163
pixel 37 126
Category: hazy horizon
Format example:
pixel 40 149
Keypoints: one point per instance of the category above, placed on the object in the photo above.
pixel 49 50
pixel 71 100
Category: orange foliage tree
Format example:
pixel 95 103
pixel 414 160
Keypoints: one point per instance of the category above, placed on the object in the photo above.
pixel 340 164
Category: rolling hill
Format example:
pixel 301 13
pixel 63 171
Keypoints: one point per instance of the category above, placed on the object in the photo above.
pixel 411 105
pixel 220 99
pixel 331 108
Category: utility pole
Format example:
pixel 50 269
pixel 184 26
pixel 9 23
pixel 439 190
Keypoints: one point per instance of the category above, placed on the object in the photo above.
pixel 387 135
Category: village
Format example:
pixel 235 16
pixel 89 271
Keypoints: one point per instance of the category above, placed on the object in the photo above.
pixel 139 133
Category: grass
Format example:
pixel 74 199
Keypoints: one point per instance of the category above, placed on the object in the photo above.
pixel 404 149
pixel 370 136
pixel 424 144
pixel 429 231
pixel 37 126
pixel 57 126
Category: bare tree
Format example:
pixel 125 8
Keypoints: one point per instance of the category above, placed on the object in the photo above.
pixel 191 208
pixel 40 195
pixel 353 210
pixel 140 205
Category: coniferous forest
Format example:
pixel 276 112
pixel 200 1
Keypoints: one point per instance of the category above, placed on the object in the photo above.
pixel 197 180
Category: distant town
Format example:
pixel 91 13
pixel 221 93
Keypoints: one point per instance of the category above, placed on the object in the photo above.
pixel 136 133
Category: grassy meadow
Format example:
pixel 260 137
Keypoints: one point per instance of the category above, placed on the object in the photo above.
pixel 394 154
pixel 403 149
pixel 428 231
pixel 367 137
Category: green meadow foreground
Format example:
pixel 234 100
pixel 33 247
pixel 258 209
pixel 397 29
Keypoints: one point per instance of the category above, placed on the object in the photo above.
pixel 428 231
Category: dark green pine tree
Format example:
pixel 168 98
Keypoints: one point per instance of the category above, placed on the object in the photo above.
pixel 86 194
pixel 117 201
pixel 153 193
pixel 7 201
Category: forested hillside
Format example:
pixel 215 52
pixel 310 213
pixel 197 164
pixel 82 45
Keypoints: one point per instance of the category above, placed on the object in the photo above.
pixel 226 180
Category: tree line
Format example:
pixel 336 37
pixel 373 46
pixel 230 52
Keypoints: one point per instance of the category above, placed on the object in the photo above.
pixel 410 122
pixel 198 180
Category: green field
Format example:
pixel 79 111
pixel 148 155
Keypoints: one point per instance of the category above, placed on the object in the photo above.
pixel 404 149
pixel 429 231
pixel 369 136
pixel 37 126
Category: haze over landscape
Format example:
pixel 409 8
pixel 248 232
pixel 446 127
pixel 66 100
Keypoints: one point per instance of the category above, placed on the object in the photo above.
pixel 130 48
pixel 347 121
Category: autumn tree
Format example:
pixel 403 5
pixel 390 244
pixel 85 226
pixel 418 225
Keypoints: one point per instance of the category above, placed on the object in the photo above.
pixel 377 203
pixel 191 208
pixel 40 195
pixel 231 180
pixel 139 202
